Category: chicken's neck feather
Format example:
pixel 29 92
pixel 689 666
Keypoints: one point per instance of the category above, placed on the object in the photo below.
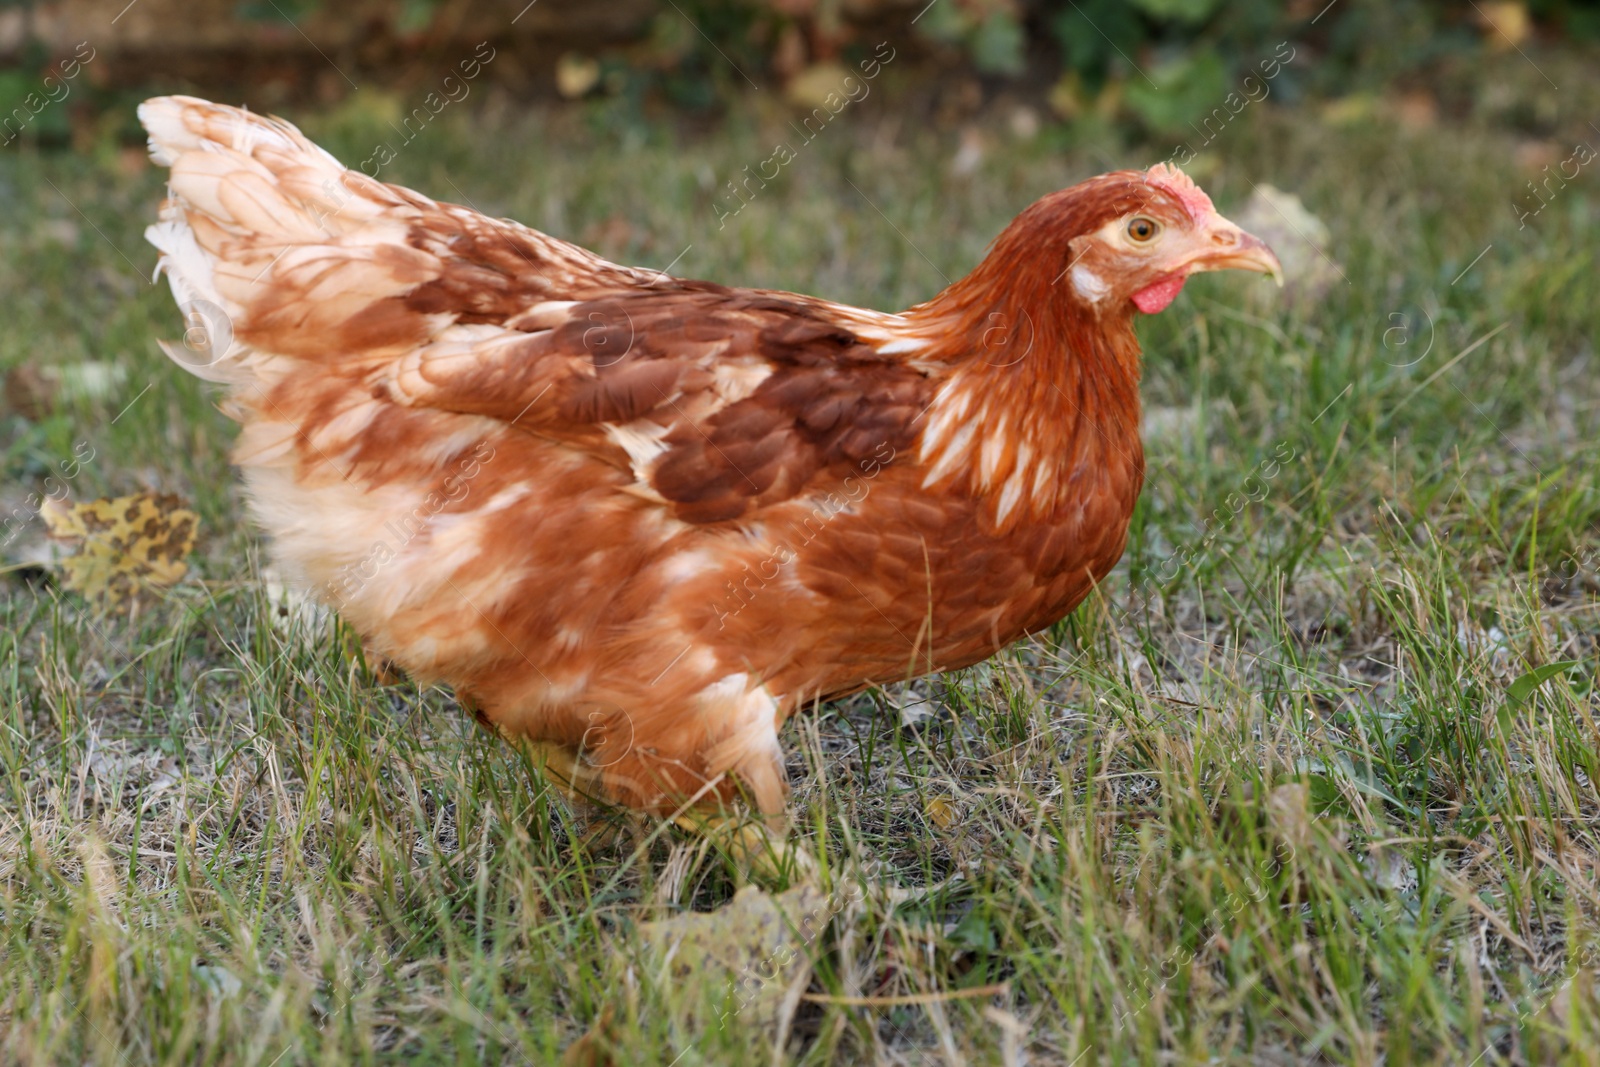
pixel 1040 390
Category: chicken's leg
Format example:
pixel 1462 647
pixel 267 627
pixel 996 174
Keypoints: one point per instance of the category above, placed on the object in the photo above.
pixel 762 848
pixel 758 845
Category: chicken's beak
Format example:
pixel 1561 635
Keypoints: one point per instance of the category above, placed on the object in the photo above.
pixel 1223 246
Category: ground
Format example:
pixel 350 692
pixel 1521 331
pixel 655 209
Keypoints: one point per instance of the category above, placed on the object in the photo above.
pixel 1294 788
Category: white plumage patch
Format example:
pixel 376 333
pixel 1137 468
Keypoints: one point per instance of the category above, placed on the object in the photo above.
pixel 546 315
pixel 991 453
pixel 1009 496
pixel 1089 285
pixel 688 565
pixel 643 441
pixel 1004 463
pixel 950 437
pixel 737 380
pixel 902 345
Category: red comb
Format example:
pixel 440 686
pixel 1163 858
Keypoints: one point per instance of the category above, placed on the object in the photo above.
pixel 1180 185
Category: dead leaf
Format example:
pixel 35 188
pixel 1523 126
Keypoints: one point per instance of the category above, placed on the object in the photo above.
pixel 748 961
pixel 1289 814
pixel 1505 25
pixel 1389 869
pixel 133 160
pixel 576 75
pixel 942 812
pixel 1300 239
pixel 913 704
pixel 122 544
pixel 750 958
pixel 815 86
pixel 1024 123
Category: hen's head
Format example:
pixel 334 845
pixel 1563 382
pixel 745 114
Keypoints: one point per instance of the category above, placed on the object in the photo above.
pixel 1129 239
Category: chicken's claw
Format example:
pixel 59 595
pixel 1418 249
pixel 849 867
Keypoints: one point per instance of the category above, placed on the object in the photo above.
pixel 763 852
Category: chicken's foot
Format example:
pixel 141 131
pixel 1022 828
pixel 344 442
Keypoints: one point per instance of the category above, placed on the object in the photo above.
pixel 759 847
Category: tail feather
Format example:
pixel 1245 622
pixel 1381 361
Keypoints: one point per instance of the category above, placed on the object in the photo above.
pixel 272 248
pixel 275 251
pixel 179 124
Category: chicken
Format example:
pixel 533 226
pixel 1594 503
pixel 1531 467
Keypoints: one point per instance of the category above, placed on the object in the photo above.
pixel 637 521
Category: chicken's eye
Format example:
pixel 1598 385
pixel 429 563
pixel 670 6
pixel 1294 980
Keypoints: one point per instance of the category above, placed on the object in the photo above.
pixel 1142 229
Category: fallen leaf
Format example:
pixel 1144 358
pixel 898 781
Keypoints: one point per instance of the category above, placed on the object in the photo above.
pixel 1024 123
pixel 812 87
pixel 1300 239
pixel 747 961
pixel 122 544
pixel 789 57
pixel 749 958
pixel 942 812
pixel 596 1047
pixel 576 75
pixel 133 160
pixel 1505 25
pixel 913 704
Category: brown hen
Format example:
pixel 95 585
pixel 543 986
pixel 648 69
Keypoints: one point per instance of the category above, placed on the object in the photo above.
pixel 637 521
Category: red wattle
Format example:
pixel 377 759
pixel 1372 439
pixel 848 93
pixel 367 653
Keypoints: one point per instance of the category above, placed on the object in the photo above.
pixel 1154 298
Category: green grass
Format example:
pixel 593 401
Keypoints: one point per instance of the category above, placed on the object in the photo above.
pixel 1274 797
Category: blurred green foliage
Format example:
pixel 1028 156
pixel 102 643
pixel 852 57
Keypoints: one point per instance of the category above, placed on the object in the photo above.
pixel 1167 61
pixel 1160 65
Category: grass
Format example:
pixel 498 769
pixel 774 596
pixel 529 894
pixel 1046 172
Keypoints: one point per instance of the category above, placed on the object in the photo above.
pixel 1286 792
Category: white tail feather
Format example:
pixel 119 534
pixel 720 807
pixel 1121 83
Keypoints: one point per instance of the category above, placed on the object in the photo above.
pixel 251 200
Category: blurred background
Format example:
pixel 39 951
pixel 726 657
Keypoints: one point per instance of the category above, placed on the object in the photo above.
pixel 1080 72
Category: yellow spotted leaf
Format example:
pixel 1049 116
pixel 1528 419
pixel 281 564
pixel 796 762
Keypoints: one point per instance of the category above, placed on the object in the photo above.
pixel 942 812
pixel 121 545
pixel 751 959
